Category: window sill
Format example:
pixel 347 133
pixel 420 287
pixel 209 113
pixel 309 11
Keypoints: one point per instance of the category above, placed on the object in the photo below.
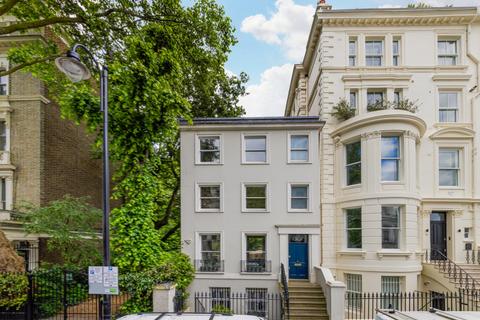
pixel 392 183
pixel 299 162
pixel 393 253
pixel 208 211
pixel 359 253
pixel 255 163
pixel 255 211
pixel 450 188
pixel 299 211
pixel 208 164
pixel 255 273
pixel 352 186
pixel 210 272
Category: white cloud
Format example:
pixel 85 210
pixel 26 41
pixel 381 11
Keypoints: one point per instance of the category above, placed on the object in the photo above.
pixel 390 6
pixel 287 27
pixel 268 98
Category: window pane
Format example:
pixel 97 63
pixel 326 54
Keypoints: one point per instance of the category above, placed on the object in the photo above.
pixel 448 178
pixel 299 155
pixel 210 156
pixel 390 147
pixel 299 191
pixel 255 143
pixel 390 238
pixel 210 242
pixel 256 204
pixel 390 170
pixel 374 61
pixel 352 48
pixel 354 218
pixel 447 116
pixel 299 203
pixel 449 159
pixel 209 143
pixel 354 152
pixel 374 97
pixel 256 243
pixel 353 100
pixel 351 61
pixel 299 142
pixel 354 174
pixel 210 203
pixel 390 217
pixel 255 191
pixel 209 191
pixel 256 156
pixel 395 47
pixel 374 47
pixel 354 239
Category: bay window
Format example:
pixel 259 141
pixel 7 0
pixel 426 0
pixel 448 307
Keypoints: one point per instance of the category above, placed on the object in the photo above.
pixel 353 163
pixel 390 158
pixel 391 227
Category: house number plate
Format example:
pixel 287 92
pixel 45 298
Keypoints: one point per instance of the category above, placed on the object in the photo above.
pixel 298 264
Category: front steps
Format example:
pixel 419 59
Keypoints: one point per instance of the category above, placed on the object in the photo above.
pixel 307 301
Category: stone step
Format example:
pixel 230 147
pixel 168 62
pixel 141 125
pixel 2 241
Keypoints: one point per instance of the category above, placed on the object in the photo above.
pixel 309 301
pixel 307 297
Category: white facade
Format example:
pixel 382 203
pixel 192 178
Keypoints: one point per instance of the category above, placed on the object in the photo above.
pixel 247 185
pixel 430 173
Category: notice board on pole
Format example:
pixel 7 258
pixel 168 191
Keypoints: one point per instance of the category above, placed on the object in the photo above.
pixel 103 280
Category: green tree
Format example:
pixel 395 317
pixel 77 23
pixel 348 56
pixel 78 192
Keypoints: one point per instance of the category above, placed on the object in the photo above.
pixel 72 226
pixel 166 61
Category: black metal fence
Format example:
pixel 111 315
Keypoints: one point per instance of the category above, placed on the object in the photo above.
pixel 51 294
pixel 256 302
pixel 364 305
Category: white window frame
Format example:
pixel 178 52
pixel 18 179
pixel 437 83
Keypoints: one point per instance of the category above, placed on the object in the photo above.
pixel 244 197
pixel 309 194
pixel 198 207
pixel 461 152
pixel 289 147
pixel 399 228
pixel 4 63
pixel 349 54
pixel 459 94
pixel 449 38
pixel 376 91
pixel 382 55
pixel 267 245
pixel 346 165
pixel 198 247
pixel 347 229
pixel 399 159
pixel 197 149
pixel 353 280
pixel 398 55
pixel 355 93
pixel 267 147
pixel 257 302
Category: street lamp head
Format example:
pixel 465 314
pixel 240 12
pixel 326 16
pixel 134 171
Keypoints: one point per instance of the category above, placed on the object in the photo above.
pixel 73 67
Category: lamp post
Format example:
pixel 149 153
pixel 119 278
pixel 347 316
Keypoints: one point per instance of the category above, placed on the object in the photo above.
pixel 76 71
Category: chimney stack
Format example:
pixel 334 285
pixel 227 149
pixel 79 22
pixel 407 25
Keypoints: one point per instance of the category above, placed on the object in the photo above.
pixel 323 6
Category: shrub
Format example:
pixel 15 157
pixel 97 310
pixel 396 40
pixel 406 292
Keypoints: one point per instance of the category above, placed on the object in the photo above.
pixel 406 105
pixel 221 309
pixel 13 290
pixel 378 105
pixel 173 267
pixel 343 111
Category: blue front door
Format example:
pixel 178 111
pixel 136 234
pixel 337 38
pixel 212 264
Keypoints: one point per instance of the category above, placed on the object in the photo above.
pixel 298 256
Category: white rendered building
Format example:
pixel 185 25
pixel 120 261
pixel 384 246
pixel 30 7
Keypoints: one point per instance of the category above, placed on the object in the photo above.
pixel 250 191
pixel 395 185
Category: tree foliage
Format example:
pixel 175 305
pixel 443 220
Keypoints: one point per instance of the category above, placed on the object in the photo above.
pixel 419 5
pixel 72 226
pixel 165 61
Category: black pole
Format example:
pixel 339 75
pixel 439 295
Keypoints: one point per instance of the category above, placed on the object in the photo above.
pixel 106 184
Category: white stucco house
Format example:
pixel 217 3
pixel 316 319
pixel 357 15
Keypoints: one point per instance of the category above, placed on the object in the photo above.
pixel 395 185
pixel 390 102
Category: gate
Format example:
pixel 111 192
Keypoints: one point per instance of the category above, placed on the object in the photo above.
pixel 54 294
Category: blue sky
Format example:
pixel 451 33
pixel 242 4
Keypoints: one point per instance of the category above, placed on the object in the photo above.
pixel 272 36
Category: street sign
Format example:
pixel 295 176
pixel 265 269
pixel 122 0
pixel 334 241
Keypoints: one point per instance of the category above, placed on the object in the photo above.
pixel 103 280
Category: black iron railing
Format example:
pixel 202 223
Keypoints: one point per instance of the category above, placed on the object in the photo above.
pixel 456 274
pixel 365 305
pixel 472 256
pixel 257 303
pixel 256 266
pixel 285 294
pixel 209 265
